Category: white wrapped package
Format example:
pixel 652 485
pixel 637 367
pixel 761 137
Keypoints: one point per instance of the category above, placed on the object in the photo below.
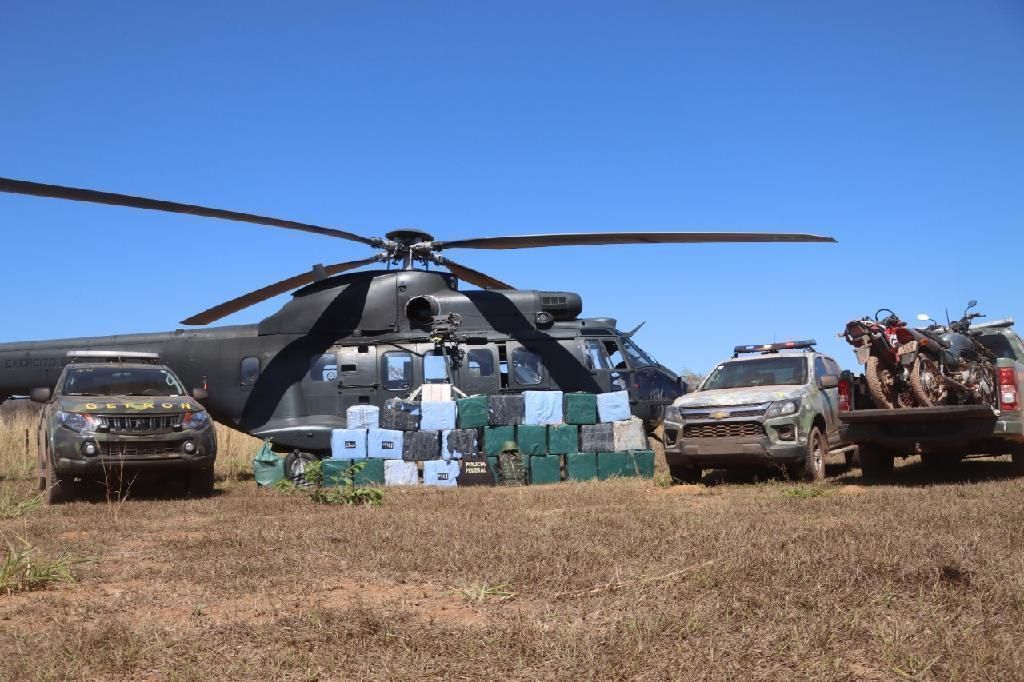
pixel 362 417
pixel 543 408
pixel 400 472
pixel 630 435
pixel 613 407
pixel 348 443
pixel 436 415
pixel 384 443
pixel 438 472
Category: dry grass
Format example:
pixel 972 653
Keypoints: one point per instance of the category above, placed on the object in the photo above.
pixel 620 580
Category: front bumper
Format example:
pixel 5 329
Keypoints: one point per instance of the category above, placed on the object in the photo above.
pixel 741 451
pixel 132 453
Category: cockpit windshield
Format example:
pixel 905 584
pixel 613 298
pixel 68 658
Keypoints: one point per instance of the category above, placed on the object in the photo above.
pixel 778 371
pixel 637 357
pixel 111 381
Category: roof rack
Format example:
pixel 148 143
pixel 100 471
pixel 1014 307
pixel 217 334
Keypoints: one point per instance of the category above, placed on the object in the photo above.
pixel 775 347
pixel 112 356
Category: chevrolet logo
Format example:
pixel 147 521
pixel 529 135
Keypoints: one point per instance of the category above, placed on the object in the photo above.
pixel 720 414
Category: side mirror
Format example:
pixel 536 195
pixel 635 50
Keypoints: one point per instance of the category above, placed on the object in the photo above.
pixel 40 395
pixel 971 304
pixel 829 381
pixel 200 394
pixel 924 317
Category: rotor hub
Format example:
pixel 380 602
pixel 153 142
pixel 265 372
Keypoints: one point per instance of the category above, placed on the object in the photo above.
pixel 407 237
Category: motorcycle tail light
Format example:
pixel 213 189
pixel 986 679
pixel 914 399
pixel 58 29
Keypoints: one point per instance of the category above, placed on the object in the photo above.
pixel 1008 399
pixel 844 395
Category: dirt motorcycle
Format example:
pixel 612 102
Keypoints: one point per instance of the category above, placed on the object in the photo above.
pixel 878 343
pixel 949 365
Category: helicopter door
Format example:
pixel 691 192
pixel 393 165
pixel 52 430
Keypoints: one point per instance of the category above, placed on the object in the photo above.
pixel 320 385
pixel 478 372
pixel 606 363
pixel 357 377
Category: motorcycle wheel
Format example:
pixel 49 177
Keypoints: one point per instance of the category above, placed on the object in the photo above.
pixel 926 384
pixel 882 386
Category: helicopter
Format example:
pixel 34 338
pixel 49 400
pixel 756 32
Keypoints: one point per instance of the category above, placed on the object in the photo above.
pixel 361 337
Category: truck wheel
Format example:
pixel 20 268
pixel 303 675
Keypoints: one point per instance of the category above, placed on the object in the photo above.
pixel 681 473
pixel 1017 461
pixel 926 383
pixel 851 459
pixel 814 459
pixel 876 464
pixel 59 489
pixel 200 483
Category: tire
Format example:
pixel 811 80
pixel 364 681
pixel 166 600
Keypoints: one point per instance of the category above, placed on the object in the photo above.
pixel 1017 461
pixel 815 456
pixel 200 483
pixel 682 473
pixel 59 489
pixel 926 383
pixel 876 464
pixel 851 459
pixel 879 385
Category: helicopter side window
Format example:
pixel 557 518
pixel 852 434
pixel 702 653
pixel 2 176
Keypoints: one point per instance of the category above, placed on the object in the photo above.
pixel 480 362
pixel 435 369
pixel 615 355
pixel 596 355
pixel 324 368
pixel 250 370
pixel 526 367
pixel 397 370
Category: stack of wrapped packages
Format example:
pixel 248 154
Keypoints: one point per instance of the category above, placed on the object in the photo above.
pixel 444 443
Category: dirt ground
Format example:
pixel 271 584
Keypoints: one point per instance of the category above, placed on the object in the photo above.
pixel 922 578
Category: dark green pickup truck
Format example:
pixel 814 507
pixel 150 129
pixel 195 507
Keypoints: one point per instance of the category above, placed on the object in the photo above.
pixel 114 416
pixel 941 435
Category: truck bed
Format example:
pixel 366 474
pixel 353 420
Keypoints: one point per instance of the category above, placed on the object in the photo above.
pixel 931 429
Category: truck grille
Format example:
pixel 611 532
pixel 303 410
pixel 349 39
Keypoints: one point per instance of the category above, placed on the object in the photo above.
pixel 154 449
pixel 723 430
pixel 731 410
pixel 141 424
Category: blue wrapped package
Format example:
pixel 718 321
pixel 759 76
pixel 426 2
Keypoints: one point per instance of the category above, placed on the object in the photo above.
pixel 543 408
pixel 384 443
pixel 362 417
pixel 440 473
pixel 437 415
pixel 613 407
pixel 348 444
pixel 459 443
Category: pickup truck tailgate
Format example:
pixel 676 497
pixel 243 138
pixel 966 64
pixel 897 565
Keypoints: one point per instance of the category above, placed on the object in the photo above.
pixel 927 426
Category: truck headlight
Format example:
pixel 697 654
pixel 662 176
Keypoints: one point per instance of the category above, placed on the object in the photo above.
pixel 672 414
pixel 195 420
pixel 78 422
pixel 780 408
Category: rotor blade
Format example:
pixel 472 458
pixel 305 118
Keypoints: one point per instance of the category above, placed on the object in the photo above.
pixel 38 189
pixel 470 275
pixel 284 286
pixel 531 241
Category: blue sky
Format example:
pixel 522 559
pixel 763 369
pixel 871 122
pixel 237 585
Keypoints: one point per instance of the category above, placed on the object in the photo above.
pixel 898 128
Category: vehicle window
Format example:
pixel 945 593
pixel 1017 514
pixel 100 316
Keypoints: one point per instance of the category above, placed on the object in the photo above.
pixel 780 371
pixel 999 345
pixel 615 358
pixel 596 355
pixel 480 362
pixel 833 367
pixel 249 370
pixel 637 357
pixel 324 368
pixel 397 371
pixel 111 381
pixel 819 368
pixel 435 369
pixel 526 367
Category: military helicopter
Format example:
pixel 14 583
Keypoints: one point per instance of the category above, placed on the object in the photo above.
pixel 347 338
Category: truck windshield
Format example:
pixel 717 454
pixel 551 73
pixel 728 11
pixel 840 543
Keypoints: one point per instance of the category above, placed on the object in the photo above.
pixel 999 345
pixel 779 371
pixel 110 381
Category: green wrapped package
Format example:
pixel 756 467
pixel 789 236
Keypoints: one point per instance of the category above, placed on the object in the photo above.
pixel 641 463
pixel 267 467
pixel 580 408
pixel 611 464
pixel 372 474
pixel 333 470
pixel 545 469
pixel 494 436
pixel 581 466
pixel 563 439
pixel 532 440
pixel 473 412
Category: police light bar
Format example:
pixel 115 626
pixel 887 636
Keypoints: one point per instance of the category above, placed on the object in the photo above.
pixel 775 347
